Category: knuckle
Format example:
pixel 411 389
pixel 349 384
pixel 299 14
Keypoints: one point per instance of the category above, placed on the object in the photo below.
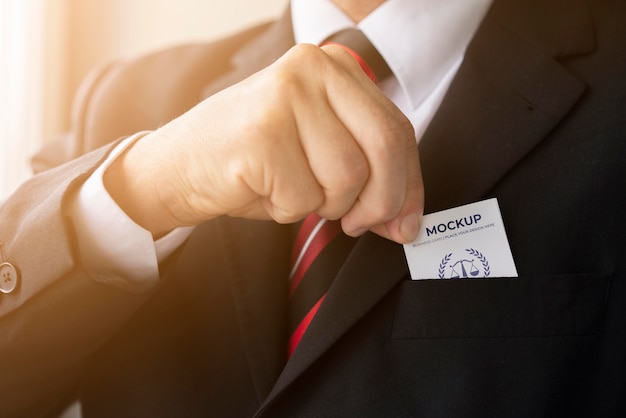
pixel 284 84
pixel 351 173
pixel 296 207
pixel 340 54
pixel 303 49
pixel 385 209
pixel 330 212
pixel 286 216
pixel 394 139
pixel 286 76
pixel 399 131
pixel 310 54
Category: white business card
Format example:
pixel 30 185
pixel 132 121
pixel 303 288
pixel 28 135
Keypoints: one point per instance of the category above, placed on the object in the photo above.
pixel 464 242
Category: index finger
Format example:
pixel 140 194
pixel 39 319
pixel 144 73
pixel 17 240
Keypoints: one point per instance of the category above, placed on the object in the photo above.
pixel 404 228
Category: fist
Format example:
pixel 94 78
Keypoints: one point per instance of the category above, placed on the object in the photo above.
pixel 310 133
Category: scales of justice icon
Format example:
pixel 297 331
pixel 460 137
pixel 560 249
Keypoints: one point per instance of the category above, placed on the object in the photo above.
pixel 461 264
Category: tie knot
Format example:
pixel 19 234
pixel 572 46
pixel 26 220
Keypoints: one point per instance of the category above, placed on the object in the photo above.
pixel 363 50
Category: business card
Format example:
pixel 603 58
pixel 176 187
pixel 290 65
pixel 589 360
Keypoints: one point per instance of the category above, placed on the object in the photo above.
pixel 467 242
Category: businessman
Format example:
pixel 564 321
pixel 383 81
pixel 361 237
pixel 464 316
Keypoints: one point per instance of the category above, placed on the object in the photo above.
pixel 150 266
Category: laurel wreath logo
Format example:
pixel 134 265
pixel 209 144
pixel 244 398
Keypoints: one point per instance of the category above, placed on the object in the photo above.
pixel 475 253
pixel 443 264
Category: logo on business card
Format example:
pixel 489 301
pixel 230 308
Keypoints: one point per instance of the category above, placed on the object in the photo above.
pixel 471 264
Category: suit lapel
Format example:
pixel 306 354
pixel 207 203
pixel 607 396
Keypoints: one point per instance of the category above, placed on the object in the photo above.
pixel 372 269
pixel 507 96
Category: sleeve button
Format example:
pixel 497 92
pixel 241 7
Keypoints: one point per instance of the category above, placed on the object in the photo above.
pixel 8 277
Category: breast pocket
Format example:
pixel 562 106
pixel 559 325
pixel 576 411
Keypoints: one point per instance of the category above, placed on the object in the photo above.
pixel 500 307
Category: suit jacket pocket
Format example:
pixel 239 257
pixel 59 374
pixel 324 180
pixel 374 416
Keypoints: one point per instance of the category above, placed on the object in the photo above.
pixel 500 307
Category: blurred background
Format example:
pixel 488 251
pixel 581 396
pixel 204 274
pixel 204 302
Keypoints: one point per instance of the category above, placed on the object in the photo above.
pixel 48 46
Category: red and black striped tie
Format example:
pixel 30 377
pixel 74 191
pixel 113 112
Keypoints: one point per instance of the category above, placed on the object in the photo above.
pixel 321 247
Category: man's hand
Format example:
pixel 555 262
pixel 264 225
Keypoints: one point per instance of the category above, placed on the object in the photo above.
pixel 310 133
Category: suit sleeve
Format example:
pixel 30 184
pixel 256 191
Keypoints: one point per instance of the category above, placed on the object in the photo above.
pixel 57 315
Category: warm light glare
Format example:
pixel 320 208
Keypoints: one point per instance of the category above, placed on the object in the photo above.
pixel 21 88
pixel 48 46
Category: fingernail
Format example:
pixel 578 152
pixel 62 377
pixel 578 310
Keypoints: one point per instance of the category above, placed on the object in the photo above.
pixel 409 227
pixel 357 232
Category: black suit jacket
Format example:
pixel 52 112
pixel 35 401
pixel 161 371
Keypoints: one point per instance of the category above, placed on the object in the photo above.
pixel 535 118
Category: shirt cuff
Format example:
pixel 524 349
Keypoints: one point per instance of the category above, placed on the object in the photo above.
pixel 113 248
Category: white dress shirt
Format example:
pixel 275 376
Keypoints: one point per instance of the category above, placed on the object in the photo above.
pixel 422 41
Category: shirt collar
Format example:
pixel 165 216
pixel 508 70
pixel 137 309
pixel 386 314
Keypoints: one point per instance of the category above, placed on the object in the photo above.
pixel 421 40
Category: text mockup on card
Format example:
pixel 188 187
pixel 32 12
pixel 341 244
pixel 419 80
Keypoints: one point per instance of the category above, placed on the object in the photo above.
pixel 467 242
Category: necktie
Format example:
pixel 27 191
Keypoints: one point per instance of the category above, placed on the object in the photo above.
pixel 321 247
